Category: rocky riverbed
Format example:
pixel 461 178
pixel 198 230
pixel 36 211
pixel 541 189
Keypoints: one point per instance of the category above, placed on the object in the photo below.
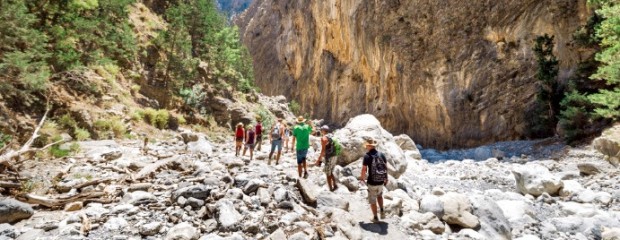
pixel 189 186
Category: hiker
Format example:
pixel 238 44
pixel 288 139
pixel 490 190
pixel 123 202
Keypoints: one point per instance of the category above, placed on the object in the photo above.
pixel 238 138
pixel 301 135
pixel 259 134
pixel 250 140
pixel 287 135
pixel 328 153
pixel 375 164
pixel 275 137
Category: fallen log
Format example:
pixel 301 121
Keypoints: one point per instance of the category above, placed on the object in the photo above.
pixel 4 184
pixel 62 201
pixel 150 169
pixel 92 182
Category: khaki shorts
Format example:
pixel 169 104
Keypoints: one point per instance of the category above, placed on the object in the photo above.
pixel 374 192
pixel 330 163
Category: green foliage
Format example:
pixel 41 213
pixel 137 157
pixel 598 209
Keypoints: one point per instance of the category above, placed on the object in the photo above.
pixel 607 100
pixel 81 134
pixel 194 97
pixel 112 127
pixel 197 31
pixel 23 68
pixel 67 122
pixel 574 116
pixel 4 139
pixel 266 117
pixel 542 117
pixel 294 107
pixel 157 118
pixel 57 152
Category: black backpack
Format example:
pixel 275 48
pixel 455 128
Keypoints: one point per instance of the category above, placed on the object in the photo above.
pixel 378 169
pixel 330 149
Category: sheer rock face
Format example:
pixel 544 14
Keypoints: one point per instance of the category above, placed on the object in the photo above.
pixel 448 73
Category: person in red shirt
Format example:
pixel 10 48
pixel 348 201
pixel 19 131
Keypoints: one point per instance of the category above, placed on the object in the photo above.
pixel 238 138
pixel 259 134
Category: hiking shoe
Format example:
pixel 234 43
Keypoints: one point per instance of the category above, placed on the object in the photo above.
pixel 306 175
pixel 375 219
pixel 382 215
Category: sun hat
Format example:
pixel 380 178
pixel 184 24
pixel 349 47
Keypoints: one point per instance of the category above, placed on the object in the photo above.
pixel 324 128
pixel 240 124
pixel 300 119
pixel 370 142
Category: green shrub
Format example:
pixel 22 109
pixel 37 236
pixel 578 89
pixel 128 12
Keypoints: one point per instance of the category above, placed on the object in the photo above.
pixel 266 116
pixel 59 153
pixel 161 119
pixel 4 139
pixel 294 107
pixel 81 134
pixel 67 122
pixel 181 119
pixel 113 127
pixel 137 116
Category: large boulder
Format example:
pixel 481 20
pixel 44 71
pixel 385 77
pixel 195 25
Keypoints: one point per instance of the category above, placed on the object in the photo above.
pixel 367 126
pixel 457 210
pixel 432 204
pixel 609 144
pixel 535 179
pixel 228 217
pixel 200 146
pixel 239 114
pixel 420 221
pixel 408 146
pixel 493 223
pixel 12 210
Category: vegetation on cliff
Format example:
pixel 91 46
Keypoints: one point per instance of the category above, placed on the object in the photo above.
pixel 55 53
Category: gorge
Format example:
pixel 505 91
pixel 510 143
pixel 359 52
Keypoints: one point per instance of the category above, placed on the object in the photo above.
pixel 447 73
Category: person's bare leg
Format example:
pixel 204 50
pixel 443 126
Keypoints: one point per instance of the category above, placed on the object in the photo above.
pixel 244 149
pixel 251 153
pixel 329 182
pixel 278 157
pixel 299 169
pixel 373 208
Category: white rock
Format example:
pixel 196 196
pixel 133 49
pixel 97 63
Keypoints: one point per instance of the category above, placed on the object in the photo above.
pixel 182 231
pixel 115 224
pixel 535 179
pixel 527 237
pixel 364 126
pixel 493 223
pixel 611 234
pixel 432 203
pixel 582 210
pixel 228 216
pixel 457 210
pixel 139 198
pixel 150 229
pixel 420 221
pixel 202 146
pixel 570 187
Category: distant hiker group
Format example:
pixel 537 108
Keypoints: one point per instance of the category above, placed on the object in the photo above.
pixel 374 168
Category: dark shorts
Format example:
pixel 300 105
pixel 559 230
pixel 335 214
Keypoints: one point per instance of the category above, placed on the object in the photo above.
pixel 301 156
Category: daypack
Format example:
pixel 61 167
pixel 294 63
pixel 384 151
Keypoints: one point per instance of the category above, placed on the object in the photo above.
pixel 378 168
pixel 333 147
pixel 275 134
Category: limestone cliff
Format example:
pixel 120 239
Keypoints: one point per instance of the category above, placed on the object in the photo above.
pixel 448 73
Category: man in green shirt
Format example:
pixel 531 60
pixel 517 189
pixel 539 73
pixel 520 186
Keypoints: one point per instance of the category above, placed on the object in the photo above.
pixel 301 134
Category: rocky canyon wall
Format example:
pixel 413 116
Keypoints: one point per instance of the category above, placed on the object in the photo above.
pixel 448 73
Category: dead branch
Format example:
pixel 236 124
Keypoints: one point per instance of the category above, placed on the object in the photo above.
pixel 92 182
pixel 4 184
pixel 5 158
pixel 62 201
pixel 150 169
pixel 85 224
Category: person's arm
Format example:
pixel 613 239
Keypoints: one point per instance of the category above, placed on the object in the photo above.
pixel 270 131
pixel 294 138
pixel 323 144
pixel 363 174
